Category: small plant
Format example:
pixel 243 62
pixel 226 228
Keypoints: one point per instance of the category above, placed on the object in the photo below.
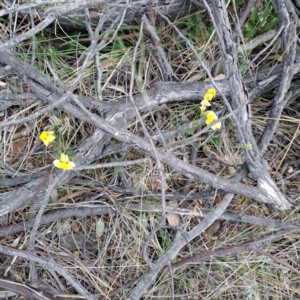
pixel 210 94
pixel 64 162
pixel 47 137
pixel 210 115
pixel 261 22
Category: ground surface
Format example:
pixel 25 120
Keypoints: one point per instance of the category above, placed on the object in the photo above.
pixel 159 205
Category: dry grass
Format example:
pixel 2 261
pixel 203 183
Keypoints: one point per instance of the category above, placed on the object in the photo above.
pixel 114 255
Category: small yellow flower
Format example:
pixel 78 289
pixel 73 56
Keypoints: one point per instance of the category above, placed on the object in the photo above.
pixel 211 117
pixel 64 162
pixel 204 104
pixel 47 137
pixel 210 94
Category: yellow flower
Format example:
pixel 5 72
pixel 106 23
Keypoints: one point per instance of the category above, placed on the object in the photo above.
pixel 47 137
pixel 204 104
pixel 64 162
pixel 210 94
pixel 211 117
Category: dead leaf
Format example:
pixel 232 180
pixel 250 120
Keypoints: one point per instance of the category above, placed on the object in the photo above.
pixel 173 219
pixel 218 199
pixel 100 227
pixel 211 230
pixel 214 227
pixel 220 77
pixel 18 148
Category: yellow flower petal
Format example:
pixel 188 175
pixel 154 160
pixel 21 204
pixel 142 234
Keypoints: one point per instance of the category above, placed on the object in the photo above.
pixel 210 94
pixel 204 104
pixel 47 137
pixel 211 117
pixel 64 162
pixel 216 126
pixel 64 158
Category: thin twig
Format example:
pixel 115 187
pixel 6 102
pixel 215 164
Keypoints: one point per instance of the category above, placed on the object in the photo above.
pixel 277 260
pixel 49 263
pixel 112 164
pixel 148 277
pixel 92 210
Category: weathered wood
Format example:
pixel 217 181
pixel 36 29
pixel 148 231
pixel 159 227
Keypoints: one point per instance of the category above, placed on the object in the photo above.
pixel 73 15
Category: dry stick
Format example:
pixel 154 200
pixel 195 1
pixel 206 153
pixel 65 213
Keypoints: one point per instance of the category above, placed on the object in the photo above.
pixel 7 182
pixel 244 135
pixel 207 255
pixel 264 49
pixel 12 204
pixel 28 34
pixel 4 209
pixel 158 50
pixel 237 249
pixel 92 210
pixel 56 181
pixel 280 100
pixel 170 254
pixel 54 74
pixel 75 6
pixel 112 164
pixel 153 148
pixel 80 211
pixel 93 36
pixel 37 113
pixel 172 280
pixel 245 14
pixel 49 263
pixel 215 181
pixel 257 166
pixel 213 82
pixel 288 70
pixel 101 23
pixel 36 225
pixel 190 171
pixel 24 290
pixel 277 260
pixel 15 8
pixel 24 7
pixel 47 196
